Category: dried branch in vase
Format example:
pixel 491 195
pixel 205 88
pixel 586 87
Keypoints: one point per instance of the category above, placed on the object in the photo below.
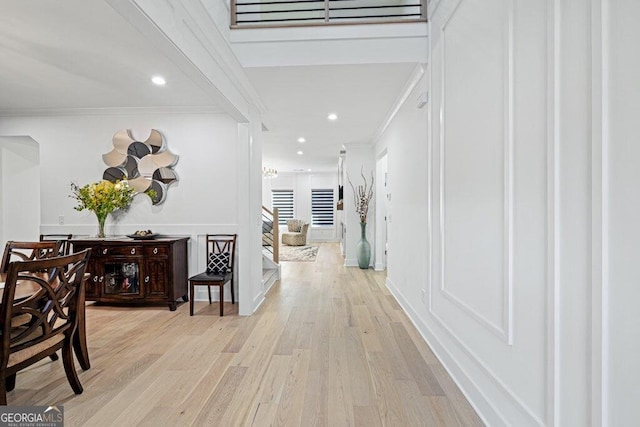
pixel 362 195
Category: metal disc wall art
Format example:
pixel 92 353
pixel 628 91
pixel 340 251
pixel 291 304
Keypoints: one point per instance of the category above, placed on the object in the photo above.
pixel 147 166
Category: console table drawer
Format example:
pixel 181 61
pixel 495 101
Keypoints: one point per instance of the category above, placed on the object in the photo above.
pixel 156 250
pixel 120 250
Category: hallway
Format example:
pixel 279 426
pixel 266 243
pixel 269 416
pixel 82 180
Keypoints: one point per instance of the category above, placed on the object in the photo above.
pixel 368 364
pixel 329 346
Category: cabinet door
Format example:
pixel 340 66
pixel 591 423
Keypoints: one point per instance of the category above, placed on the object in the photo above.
pixel 155 280
pixel 121 277
pixel 93 286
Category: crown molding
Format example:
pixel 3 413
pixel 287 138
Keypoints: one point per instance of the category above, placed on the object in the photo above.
pixel 109 111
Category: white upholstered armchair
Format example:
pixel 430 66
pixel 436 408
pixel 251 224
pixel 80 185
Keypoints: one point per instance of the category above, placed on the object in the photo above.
pixel 296 234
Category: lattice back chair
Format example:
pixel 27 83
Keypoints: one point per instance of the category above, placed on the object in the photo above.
pixel 64 239
pixel 221 253
pixel 55 294
pixel 28 251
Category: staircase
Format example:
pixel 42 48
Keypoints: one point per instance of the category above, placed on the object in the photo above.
pixel 270 247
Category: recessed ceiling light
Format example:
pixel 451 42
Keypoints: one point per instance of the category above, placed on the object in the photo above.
pixel 158 80
pixel 308 170
pixel 301 140
pixel 300 153
pixel 332 116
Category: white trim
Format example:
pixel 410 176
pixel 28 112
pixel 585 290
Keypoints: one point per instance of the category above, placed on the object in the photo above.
pixel 553 215
pixel 324 240
pixel 599 212
pixel 507 320
pixel 429 161
pixel 117 229
pixel 350 262
pixel 258 300
pixel 604 393
pixel 404 30
pixel 215 295
pixel 110 111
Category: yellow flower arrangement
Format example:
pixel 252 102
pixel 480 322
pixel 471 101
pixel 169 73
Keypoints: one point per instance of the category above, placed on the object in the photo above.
pixel 102 198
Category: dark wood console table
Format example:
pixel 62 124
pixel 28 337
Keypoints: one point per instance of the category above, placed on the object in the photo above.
pixel 125 270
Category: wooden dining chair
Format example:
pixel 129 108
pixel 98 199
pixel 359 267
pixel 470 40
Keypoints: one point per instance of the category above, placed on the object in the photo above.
pixel 64 239
pixel 57 293
pixel 28 251
pixel 220 252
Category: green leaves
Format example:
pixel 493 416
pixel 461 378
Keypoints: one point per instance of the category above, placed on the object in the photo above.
pixel 102 197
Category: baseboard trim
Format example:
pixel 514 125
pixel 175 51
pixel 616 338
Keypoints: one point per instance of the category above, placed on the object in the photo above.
pixel 257 301
pixel 350 262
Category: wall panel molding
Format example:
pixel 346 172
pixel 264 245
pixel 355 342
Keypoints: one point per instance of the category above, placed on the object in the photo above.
pixel 503 330
pixel 599 415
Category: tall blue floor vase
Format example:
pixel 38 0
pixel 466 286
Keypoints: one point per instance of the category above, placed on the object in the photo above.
pixel 363 248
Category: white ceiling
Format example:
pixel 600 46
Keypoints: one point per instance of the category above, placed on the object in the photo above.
pixel 299 99
pixel 82 54
pixel 78 54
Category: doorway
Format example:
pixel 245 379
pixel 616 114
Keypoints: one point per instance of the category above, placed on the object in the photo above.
pixel 382 213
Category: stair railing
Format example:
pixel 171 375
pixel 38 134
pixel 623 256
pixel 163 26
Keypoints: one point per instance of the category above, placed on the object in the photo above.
pixel 271 233
pixel 279 13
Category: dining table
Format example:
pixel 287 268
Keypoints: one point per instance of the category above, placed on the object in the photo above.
pixel 28 288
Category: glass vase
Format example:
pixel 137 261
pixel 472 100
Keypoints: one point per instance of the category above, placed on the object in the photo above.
pixel 102 217
pixel 363 248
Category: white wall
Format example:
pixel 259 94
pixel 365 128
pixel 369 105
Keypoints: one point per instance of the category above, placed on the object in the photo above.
pixel 621 294
pixel 404 142
pixel 249 212
pixel 19 182
pixel 318 45
pixel 213 169
pixel 496 215
pixel 302 183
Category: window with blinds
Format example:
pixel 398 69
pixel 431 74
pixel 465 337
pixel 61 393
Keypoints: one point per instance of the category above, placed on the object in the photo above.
pixel 283 200
pixel 322 207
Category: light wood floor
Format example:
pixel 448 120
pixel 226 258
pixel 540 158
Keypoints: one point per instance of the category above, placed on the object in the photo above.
pixel 329 347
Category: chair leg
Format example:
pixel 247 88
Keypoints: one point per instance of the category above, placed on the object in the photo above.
pixel 10 382
pixel 191 299
pixel 3 392
pixel 69 369
pixel 233 297
pixel 221 300
pixel 80 347
pixel 209 290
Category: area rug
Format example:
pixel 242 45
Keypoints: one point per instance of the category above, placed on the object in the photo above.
pixel 298 253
